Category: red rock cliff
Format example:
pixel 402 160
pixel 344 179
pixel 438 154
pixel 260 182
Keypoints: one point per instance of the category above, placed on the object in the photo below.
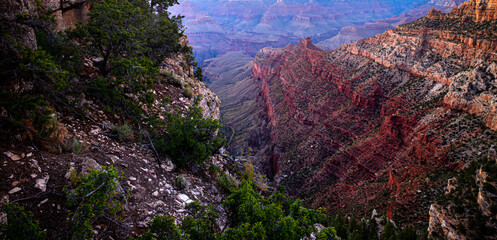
pixel 369 126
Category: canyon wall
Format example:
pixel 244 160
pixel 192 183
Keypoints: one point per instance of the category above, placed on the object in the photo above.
pixel 215 27
pixel 350 34
pixel 380 123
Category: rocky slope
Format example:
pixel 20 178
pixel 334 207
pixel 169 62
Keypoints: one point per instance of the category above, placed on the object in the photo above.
pixel 381 123
pixel 34 175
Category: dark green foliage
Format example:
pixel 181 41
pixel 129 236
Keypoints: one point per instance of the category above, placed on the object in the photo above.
pixel 123 132
pixel 41 68
pixel 188 92
pixel 388 232
pixel 30 113
pixel 328 233
pixel 282 217
pixel 161 6
pixel 246 231
pixel 66 53
pixel 341 224
pixel 91 197
pixel 407 233
pixel 190 139
pixel 74 146
pixel 162 228
pixel 278 217
pixel 286 228
pixel 198 74
pixel 20 224
pixel 465 196
pixel 353 229
pixel 214 170
pixel 171 79
pixel 163 37
pixel 21 65
pixel 27 114
pixel 373 231
pixel 251 216
pixel 200 224
pixel 127 41
pixel 114 30
pixel 244 205
pixel 180 182
pixel 226 183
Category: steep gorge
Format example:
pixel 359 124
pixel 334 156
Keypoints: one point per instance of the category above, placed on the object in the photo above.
pixel 383 122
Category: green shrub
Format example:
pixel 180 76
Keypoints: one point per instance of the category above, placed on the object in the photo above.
pixel 190 139
pixel 281 219
pixel 20 224
pixel 74 146
pixel 31 116
pixel 214 170
pixel 198 74
pixel 166 100
pixel 388 232
pixel 130 38
pixel 123 132
pixel 252 216
pixel 188 92
pixel 328 233
pixel 226 183
pixel 180 182
pixel 246 231
pixel 35 66
pixel 91 197
pixel 201 222
pixel 169 78
pixel 407 233
pixel 147 98
pixel 162 228
pixel 252 175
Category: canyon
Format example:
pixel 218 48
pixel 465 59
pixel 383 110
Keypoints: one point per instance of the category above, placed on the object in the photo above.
pixel 381 123
pixel 400 121
pixel 215 27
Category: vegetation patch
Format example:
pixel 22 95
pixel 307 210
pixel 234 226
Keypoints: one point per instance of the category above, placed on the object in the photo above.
pixel 190 139
pixel 93 198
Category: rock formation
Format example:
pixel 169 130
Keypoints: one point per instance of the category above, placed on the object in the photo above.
pixel 68 12
pixel 479 11
pixel 370 124
pixel 350 34
pixel 216 27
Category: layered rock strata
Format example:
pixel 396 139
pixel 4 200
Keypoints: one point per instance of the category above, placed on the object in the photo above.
pixel 379 118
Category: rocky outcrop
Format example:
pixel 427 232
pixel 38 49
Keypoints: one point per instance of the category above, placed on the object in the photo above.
pixel 467 210
pixel 472 91
pixel 208 101
pixel 21 33
pixel 485 198
pixel 477 10
pixel 440 222
pixel 68 12
pixel 466 63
